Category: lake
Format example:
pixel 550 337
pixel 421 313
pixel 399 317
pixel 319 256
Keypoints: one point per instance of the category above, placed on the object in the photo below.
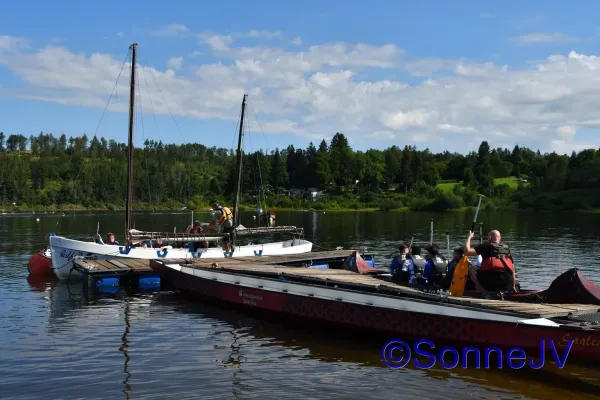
pixel 57 343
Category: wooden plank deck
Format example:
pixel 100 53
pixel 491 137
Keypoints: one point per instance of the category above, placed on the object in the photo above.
pixel 119 266
pixel 265 260
pixel 342 277
pixel 125 265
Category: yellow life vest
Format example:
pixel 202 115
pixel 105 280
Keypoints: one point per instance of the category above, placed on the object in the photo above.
pixel 225 215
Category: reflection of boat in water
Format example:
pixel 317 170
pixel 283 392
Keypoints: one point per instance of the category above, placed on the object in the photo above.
pixel 73 316
pixel 364 303
pixel 186 336
pixel 294 340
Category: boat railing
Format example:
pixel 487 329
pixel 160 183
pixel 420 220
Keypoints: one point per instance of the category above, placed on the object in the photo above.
pixel 201 236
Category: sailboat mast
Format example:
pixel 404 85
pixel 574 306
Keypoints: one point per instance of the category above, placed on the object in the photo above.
pixel 239 179
pixel 130 148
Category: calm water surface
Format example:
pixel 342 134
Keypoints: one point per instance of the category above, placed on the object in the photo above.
pixel 57 343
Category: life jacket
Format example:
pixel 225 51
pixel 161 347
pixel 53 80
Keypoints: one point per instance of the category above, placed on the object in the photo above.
pixel 419 263
pixel 440 266
pixel 499 259
pixel 226 214
pixel 401 273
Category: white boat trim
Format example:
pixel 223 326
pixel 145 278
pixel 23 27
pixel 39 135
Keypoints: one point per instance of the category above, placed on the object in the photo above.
pixel 64 250
pixel 400 304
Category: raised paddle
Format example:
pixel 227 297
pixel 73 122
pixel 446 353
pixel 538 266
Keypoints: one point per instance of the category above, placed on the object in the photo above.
pixel 476 213
pixel 461 270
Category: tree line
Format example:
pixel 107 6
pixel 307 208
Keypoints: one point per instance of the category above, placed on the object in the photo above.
pixel 55 171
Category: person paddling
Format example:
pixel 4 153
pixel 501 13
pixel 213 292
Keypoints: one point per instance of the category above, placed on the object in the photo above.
pixel 497 271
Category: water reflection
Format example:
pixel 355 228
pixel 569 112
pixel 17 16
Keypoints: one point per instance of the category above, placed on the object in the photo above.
pixel 144 345
pixel 123 349
pixel 176 337
pixel 334 347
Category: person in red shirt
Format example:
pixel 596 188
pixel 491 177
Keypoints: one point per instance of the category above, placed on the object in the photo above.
pixel 497 270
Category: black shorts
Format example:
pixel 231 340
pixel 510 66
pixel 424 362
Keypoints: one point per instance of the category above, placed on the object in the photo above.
pixel 227 229
pixel 495 280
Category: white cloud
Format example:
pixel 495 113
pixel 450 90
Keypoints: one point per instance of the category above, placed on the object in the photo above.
pixel 386 135
pixel 553 37
pixel 264 34
pixel 13 43
pixel 215 41
pixel 175 62
pixel 170 30
pixel 120 34
pixel 428 66
pixel 566 132
pixel 194 53
pixel 321 90
pixel 297 41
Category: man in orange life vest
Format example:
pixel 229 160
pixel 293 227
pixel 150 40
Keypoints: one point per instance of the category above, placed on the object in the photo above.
pixel 497 271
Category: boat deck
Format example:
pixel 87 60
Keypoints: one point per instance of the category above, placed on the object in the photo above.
pixel 352 280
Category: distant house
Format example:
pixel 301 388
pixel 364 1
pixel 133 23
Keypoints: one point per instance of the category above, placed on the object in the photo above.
pixel 312 194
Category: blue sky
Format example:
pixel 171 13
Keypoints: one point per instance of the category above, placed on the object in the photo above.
pixel 443 75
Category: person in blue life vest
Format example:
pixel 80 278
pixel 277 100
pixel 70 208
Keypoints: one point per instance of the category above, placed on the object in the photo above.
pixel 110 238
pixel 435 266
pixel 402 267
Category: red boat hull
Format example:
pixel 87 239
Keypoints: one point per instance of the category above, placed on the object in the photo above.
pixel 39 264
pixel 395 324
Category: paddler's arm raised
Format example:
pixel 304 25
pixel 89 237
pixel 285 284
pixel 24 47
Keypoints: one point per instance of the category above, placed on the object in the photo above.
pixel 469 251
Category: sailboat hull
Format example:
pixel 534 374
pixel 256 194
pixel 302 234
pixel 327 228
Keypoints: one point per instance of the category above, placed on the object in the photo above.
pixel 64 250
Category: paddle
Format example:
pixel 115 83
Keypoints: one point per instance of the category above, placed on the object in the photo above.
pixel 461 271
pixel 476 213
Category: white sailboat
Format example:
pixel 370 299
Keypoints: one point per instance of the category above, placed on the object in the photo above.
pixel 63 250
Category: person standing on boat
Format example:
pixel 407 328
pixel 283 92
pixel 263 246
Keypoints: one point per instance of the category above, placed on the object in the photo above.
pixel 223 216
pixel 497 271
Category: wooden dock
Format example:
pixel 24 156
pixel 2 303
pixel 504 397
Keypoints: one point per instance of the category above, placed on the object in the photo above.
pixel 313 257
pixel 113 267
pixel 123 266
pixel 351 280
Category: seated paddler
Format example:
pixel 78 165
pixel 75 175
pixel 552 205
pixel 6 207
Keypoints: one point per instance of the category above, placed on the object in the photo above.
pixel 435 265
pixel 457 255
pixel 497 271
pixel 402 267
